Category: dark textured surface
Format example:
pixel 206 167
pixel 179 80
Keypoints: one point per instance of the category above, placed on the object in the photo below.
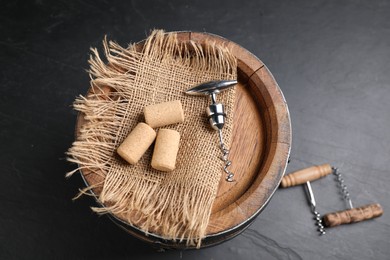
pixel 331 59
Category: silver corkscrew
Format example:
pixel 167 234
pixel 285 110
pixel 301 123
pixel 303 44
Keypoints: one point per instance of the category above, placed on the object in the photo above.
pixel 332 219
pixel 343 188
pixel 216 114
pixel 317 215
pixel 305 176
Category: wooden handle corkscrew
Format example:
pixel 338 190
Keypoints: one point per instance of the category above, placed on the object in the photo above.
pixel 353 215
pixel 304 175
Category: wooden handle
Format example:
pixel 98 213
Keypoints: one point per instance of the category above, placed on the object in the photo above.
pixel 307 174
pixel 353 215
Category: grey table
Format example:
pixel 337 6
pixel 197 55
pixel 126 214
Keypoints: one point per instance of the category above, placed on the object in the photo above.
pixel 330 58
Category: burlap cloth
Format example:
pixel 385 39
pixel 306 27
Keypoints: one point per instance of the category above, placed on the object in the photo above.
pixel 175 205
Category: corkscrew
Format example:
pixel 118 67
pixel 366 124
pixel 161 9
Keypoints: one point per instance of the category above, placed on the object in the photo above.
pixel 351 215
pixel 343 188
pixel 317 215
pixel 216 114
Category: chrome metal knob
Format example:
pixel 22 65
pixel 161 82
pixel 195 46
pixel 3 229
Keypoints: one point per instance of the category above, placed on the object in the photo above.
pixel 216 114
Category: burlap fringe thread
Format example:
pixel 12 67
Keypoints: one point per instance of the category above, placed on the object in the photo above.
pixel 173 205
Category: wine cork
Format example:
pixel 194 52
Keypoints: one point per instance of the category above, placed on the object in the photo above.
pixel 163 114
pixel 165 150
pixel 136 143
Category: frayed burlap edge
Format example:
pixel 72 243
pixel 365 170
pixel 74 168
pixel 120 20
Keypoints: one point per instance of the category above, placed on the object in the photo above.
pixel 174 206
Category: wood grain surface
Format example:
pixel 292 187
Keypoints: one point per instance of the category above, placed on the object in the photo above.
pixel 353 215
pixel 308 174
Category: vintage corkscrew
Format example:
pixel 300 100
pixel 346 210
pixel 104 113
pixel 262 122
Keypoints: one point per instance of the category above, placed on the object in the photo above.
pixel 351 215
pixel 216 114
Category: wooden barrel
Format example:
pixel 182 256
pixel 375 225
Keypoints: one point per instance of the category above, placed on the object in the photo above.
pixel 259 150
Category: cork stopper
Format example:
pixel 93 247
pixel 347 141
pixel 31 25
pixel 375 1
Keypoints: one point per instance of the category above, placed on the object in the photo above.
pixel 163 114
pixel 165 150
pixel 136 143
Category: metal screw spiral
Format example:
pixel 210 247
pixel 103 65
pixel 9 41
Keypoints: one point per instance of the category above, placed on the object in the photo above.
pixel 343 188
pixel 318 219
pixel 317 215
pixel 225 158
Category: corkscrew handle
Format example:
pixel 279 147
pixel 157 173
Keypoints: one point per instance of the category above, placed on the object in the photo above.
pixel 304 175
pixel 353 215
